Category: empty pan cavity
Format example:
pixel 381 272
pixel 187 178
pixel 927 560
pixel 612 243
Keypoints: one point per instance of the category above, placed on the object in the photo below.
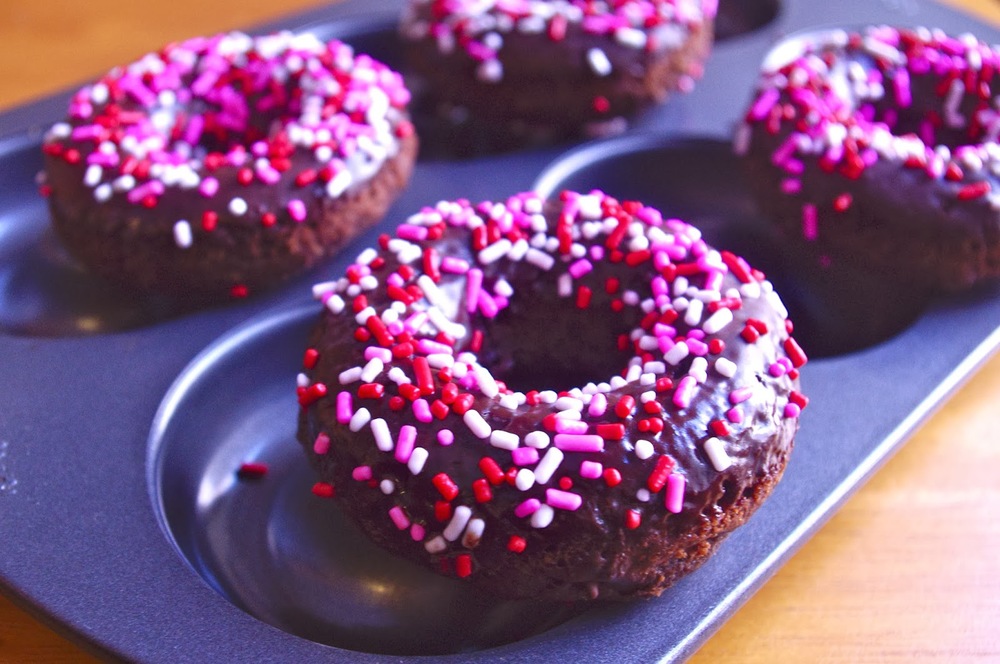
pixel 740 17
pixel 274 549
pixel 836 309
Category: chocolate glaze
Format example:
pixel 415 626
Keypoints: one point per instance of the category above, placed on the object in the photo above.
pixel 548 82
pixel 912 213
pixel 543 337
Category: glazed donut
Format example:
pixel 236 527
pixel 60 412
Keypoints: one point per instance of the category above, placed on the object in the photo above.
pixel 563 400
pixel 879 148
pixel 557 64
pixel 220 166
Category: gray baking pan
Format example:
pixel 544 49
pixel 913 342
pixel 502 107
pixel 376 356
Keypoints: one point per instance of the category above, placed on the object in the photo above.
pixel 125 526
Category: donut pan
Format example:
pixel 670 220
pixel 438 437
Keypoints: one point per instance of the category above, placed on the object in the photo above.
pixel 124 524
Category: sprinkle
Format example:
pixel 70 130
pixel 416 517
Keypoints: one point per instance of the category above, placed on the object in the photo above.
pixel 674 499
pixel 182 234
pixel 563 500
pixel 717 454
pixel 252 470
pixel 578 442
pixel 549 464
pixel 477 425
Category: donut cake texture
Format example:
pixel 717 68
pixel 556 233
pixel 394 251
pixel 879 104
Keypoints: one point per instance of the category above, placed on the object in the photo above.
pixel 879 149
pixel 219 166
pixel 567 399
pixel 565 65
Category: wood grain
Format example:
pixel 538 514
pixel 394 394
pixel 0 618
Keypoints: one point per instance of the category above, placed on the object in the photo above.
pixel 907 571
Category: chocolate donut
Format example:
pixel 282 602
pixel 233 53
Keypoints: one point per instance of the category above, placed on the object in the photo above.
pixel 562 65
pixel 219 166
pixel 879 148
pixel 566 400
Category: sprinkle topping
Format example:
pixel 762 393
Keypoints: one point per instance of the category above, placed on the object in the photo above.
pixel 638 446
pixel 222 115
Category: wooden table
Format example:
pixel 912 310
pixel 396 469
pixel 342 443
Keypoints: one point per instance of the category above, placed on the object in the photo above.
pixel 908 570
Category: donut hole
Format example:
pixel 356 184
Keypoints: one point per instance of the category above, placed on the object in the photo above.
pixel 543 342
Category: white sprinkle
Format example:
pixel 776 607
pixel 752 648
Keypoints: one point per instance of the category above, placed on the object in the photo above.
pixel 436 545
pixel 103 192
pixel 92 176
pixel 431 291
pixel 383 439
pixel 717 454
pixel 717 321
pixel 677 353
pixel 477 425
pixel 509 401
pixel 693 314
pixel 543 517
pixel 372 369
pixel 348 376
pixel 568 403
pixel 725 367
pixel 547 467
pixel 459 519
pixel 182 234
pixel 238 206
pixel 473 533
pixel 362 316
pixel 494 252
pixel 504 440
pixel 335 304
pixel 642 495
pixel 360 418
pixel 599 62
pixel 524 479
pixel 387 487
pixel 537 439
pixel 540 259
pixel 487 384
pixel 643 449
pixel 417 460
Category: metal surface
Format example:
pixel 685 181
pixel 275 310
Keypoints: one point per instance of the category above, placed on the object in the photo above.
pixel 123 423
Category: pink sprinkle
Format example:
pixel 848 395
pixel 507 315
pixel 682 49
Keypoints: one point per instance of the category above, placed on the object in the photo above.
pixel 297 210
pixel 445 437
pixel 412 232
pixel 764 104
pixel 362 473
pixel 487 305
pixel 322 444
pixel 431 347
pixel 739 395
pixel 345 407
pixel 417 532
pixel 810 222
pixel 405 442
pixel 524 456
pixel 563 500
pixel 735 414
pixel 598 405
pixel 474 282
pixel 527 508
pixel 574 442
pixel 675 493
pixel 384 354
pixel 454 265
pixel 209 187
pixel 685 391
pixel 399 517
pixel 792 410
pixel 580 268
pixel 422 411
pixel 591 470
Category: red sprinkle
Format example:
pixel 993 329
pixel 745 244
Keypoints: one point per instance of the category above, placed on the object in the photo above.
pixel 252 470
pixel 323 490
